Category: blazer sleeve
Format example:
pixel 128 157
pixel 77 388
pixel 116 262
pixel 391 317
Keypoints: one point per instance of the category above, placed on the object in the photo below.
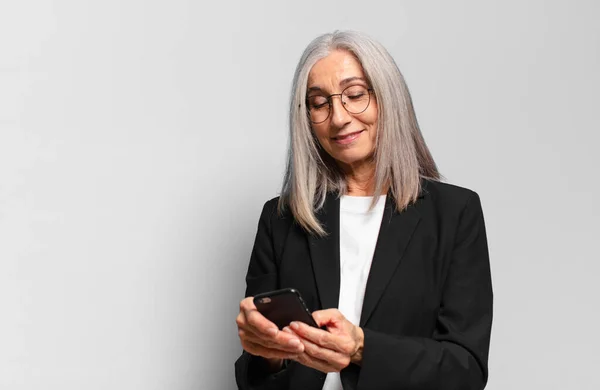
pixel 262 276
pixel 456 356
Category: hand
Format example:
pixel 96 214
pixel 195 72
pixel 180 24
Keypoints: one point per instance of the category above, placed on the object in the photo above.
pixel 331 350
pixel 261 337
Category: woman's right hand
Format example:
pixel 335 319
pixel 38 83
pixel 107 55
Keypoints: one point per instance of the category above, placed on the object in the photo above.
pixel 261 337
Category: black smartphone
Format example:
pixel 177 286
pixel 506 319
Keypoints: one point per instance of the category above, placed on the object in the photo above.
pixel 283 306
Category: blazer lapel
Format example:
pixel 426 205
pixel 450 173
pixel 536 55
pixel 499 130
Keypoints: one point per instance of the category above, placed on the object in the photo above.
pixel 325 253
pixel 394 235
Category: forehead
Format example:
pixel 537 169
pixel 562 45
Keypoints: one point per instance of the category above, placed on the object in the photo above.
pixel 330 70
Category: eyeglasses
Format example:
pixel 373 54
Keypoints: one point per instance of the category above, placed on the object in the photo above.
pixel 355 99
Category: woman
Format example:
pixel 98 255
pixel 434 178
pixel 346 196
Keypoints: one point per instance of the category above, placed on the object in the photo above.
pixel 393 263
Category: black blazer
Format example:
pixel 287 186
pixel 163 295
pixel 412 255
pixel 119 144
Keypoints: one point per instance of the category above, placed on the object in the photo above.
pixel 427 311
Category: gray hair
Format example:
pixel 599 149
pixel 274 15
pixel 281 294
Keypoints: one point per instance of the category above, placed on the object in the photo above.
pixel 401 155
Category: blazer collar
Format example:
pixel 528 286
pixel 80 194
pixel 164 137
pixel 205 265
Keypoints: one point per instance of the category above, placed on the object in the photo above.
pixel 394 236
pixel 325 253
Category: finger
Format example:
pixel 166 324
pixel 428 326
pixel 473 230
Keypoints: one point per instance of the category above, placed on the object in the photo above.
pixel 327 316
pixel 318 336
pixel 251 320
pixel 288 330
pixel 332 358
pixel 260 323
pixel 248 335
pixel 255 318
pixel 247 304
pixel 315 363
pixel 254 326
pixel 250 316
pixel 259 350
pixel 290 340
pixel 284 342
pixel 293 335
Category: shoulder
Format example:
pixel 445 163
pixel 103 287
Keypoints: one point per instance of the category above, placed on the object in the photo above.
pixel 270 206
pixel 440 189
pixel 448 196
pixel 274 214
pixel 277 223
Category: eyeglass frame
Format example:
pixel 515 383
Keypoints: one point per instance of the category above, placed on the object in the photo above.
pixel 329 102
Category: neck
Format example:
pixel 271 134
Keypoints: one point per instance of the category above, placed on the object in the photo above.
pixel 360 180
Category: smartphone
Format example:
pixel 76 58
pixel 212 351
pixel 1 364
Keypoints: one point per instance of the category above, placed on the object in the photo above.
pixel 284 306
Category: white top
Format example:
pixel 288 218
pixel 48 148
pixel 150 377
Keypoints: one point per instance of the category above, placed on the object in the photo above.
pixel 359 229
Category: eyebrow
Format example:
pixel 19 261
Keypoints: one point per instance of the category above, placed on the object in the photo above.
pixel 351 79
pixel 342 83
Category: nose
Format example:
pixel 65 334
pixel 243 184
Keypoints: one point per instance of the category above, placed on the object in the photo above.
pixel 339 116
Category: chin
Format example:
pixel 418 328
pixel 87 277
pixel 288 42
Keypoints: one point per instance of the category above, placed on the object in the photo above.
pixel 351 158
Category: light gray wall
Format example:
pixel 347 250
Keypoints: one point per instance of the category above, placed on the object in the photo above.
pixel 139 140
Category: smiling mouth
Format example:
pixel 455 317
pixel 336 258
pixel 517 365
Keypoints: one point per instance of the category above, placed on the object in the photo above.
pixel 348 136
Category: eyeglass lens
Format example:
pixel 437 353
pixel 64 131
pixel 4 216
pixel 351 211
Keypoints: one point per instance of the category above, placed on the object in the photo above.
pixel 355 100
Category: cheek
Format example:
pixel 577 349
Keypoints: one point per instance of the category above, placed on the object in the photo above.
pixel 373 112
pixel 322 135
pixel 370 122
pixel 369 117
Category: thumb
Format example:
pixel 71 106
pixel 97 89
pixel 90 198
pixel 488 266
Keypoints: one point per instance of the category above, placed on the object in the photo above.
pixel 329 317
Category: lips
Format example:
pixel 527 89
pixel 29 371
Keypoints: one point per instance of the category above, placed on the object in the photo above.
pixel 347 136
pixel 348 139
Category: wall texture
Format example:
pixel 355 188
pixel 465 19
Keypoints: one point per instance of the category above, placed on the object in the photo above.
pixel 139 140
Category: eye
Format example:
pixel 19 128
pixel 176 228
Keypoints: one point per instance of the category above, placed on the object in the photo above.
pixel 317 102
pixel 356 96
pixel 356 92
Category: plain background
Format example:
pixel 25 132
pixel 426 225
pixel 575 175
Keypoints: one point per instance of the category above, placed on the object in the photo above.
pixel 140 139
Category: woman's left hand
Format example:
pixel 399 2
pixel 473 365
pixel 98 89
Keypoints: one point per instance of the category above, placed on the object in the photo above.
pixel 331 350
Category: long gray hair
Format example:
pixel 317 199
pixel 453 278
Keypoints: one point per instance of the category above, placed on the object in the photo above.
pixel 401 155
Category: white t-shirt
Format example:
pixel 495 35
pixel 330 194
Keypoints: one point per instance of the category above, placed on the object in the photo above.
pixel 359 229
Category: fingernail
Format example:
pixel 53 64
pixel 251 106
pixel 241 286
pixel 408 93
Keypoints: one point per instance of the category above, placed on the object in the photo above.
pixel 273 331
pixel 294 325
pixel 294 342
